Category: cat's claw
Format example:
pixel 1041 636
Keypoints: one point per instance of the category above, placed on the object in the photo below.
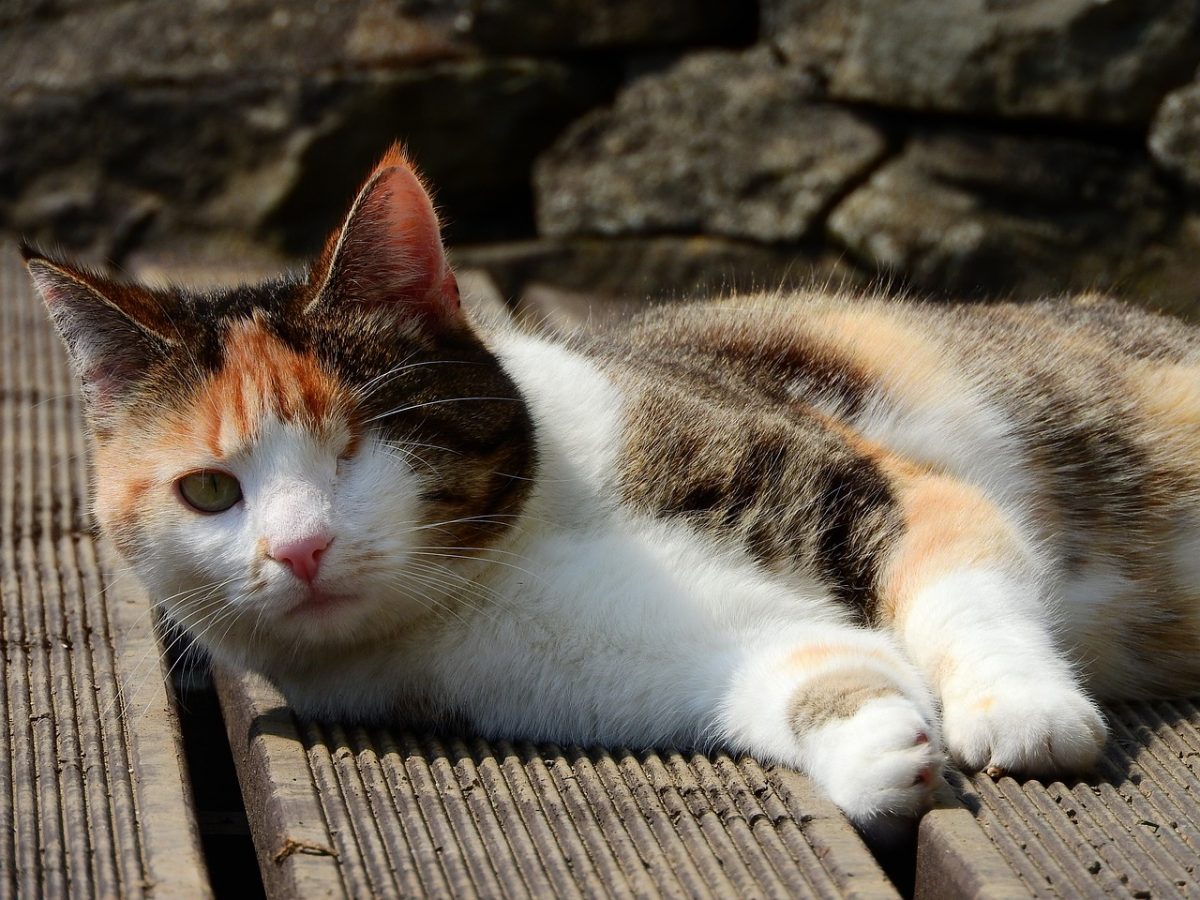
pixel 882 766
pixel 1025 729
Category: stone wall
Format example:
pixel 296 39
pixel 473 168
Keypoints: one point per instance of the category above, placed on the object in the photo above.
pixel 968 148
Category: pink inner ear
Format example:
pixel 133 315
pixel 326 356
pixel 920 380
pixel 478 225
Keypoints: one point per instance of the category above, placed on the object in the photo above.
pixel 409 237
pixel 390 249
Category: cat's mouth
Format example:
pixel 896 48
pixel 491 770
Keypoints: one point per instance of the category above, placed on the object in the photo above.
pixel 319 603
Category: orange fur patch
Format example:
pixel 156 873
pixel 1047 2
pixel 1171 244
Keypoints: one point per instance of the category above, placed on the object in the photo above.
pixel 121 502
pixel 906 362
pixel 808 657
pixel 1171 395
pixel 947 525
pixel 261 377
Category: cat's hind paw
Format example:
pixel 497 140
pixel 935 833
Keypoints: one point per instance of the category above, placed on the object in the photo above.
pixel 1034 729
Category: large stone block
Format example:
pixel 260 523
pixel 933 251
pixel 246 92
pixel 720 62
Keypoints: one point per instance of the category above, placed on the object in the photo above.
pixel 987 215
pixel 474 128
pixel 541 26
pixel 24 10
pixel 1166 276
pixel 70 44
pixel 278 159
pixel 1175 134
pixel 126 121
pixel 165 41
pixel 1083 60
pixel 723 143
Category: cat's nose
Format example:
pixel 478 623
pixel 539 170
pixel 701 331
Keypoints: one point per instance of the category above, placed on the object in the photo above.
pixel 304 555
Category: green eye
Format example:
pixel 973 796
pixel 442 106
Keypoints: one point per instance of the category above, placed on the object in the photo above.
pixel 210 491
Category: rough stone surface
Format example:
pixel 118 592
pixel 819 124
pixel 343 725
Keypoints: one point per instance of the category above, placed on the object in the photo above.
pixel 525 26
pixel 70 44
pixel 724 143
pixel 132 128
pixel 277 160
pixel 981 214
pixel 1166 276
pixel 1175 134
pixel 661 268
pixel 24 10
pixel 1081 60
pixel 164 41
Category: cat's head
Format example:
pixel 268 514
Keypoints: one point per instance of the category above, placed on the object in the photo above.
pixel 311 462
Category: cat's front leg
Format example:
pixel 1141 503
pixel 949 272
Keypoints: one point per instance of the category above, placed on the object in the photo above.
pixel 1010 701
pixel 845 708
pixel 965 595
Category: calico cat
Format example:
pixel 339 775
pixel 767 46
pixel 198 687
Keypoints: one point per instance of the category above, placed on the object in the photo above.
pixel 845 534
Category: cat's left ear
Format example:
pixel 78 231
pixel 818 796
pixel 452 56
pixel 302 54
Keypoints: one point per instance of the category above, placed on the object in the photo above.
pixel 113 332
pixel 389 251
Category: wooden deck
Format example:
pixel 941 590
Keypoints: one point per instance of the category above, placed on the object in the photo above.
pixel 1133 830
pixel 95 800
pixel 355 812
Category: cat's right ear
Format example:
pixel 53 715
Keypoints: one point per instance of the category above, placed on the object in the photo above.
pixel 113 332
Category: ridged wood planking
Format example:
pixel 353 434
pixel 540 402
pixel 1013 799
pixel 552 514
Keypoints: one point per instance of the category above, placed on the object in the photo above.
pixel 346 811
pixel 93 800
pixel 1131 831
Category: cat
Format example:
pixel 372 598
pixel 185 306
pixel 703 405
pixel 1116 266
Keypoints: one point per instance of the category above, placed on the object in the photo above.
pixel 848 534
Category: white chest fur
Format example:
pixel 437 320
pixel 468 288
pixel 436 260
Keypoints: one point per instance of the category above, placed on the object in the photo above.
pixel 600 623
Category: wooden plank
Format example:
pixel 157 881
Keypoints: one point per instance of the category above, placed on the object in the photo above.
pixel 93 795
pixel 341 811
pixel 291 836
pixel 956 860
pixel 1133 830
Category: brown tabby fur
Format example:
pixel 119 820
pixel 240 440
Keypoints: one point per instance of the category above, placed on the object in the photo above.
pixel 1106 400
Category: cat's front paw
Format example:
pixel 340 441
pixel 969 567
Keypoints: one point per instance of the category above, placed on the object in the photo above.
pixel 1026 728
pixel 882 766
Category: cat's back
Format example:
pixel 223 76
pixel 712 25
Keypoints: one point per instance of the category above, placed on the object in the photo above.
pixel 841 354
pixel 873 333
pixel 1083 412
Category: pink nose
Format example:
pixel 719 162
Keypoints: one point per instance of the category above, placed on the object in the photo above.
pixel 304 556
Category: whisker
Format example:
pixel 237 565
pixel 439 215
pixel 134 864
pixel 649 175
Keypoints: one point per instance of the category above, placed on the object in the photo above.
pixel 226 613
pixel 477 590
pixel 365 389
pixel 409 455
pixel 498 562
pixel 187 596
pixel 408 443
pixel 480 549
pixel 377 383
pixel 400 410
pixel 492 517
pixel 438 606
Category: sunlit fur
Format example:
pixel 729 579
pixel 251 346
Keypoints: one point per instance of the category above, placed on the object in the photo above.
pixel 843 533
